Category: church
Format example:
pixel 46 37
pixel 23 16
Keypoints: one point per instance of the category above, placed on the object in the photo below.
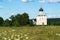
pixel 41 19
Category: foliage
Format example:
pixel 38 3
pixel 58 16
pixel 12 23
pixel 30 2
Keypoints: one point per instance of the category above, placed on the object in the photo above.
pixel 25 19
pixel 53 21
pixel 15 20
pixel 7 22
pixel 19 19
pixel 1 21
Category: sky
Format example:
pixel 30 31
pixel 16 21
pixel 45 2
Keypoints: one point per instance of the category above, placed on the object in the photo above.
pixel 12 7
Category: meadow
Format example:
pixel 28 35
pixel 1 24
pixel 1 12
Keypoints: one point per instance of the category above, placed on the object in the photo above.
pixel 30 33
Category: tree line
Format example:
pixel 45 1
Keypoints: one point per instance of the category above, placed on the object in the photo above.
pixel 15 20
pixel 23 19
pixel 53 21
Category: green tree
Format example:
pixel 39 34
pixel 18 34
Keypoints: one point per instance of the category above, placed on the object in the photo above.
pixel 25 19
pixel 19 19
pixel 7 22
pixel 1 21
pixel 12 19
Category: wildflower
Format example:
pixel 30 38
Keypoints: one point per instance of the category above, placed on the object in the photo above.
pixel 11 36
pixel 28 33
pixel 16 38
pixel 27 37
pixel 57 34
pixel 5 31
pixel 13 30
pixel 0 34
pixel 5 38
pixel 9 39
pixel 18 35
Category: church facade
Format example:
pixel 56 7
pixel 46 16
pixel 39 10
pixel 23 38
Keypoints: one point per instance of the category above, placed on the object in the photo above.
pixel 41 19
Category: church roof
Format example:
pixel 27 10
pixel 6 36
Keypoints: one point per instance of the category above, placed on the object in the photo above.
pixel 40 9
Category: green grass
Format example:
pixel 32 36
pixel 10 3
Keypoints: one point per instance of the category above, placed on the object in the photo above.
pixel 30 33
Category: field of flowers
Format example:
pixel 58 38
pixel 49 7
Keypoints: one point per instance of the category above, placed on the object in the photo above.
pixel 30 33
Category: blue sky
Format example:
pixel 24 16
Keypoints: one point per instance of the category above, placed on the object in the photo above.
pixel 13 7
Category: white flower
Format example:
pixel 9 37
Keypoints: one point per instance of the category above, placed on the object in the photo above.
pixel 27 37
pixel 18 35
pixel 5 31
pixel 21 37
pixel 15 35
pixel 13 30
pixel 11 36
pixel 5 38
pixel 9 39
pixel 57 34
pixel 28 33
pixel 0 34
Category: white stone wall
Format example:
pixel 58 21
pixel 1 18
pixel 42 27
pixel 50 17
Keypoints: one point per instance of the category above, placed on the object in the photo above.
pixel 41 13
pixel 41 20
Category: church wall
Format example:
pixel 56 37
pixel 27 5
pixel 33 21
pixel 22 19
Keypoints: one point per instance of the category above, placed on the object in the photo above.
pixel 41 20
pixel 41 13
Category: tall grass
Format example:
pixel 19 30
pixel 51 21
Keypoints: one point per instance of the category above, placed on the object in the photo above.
pixel 30 33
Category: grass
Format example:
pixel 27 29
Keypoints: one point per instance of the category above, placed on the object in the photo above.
pixel 30 33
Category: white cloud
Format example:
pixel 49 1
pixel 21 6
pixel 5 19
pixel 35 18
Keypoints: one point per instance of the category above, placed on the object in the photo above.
pixel 1 7
pixel 26 0
pixel 53 16
pixel 53 0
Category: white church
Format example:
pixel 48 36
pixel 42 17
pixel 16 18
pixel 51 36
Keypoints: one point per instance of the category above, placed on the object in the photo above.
pixel 41 19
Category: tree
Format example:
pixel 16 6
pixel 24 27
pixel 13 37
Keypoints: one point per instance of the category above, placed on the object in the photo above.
pixel 1 21
pixel 7 22
pixel 12 19
pixel 25 19
pixel 19 19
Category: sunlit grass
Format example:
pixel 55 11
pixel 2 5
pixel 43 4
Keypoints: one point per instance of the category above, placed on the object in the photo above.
pixel 30 33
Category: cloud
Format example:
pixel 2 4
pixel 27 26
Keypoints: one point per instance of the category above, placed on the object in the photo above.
pixel 53 16
pixel 53 0
pixel 1 7
pixel 26 0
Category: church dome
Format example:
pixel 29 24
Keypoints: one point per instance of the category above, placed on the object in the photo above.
pixel 40 9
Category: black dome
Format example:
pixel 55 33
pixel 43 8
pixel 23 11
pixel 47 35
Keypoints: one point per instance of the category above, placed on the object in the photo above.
pixel 40 9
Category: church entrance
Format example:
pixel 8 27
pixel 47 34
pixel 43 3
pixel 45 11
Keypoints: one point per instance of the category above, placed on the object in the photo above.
pixel 42 23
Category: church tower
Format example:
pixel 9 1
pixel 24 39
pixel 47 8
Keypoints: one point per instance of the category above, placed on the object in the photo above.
pixel 41 19
pixel 41 12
